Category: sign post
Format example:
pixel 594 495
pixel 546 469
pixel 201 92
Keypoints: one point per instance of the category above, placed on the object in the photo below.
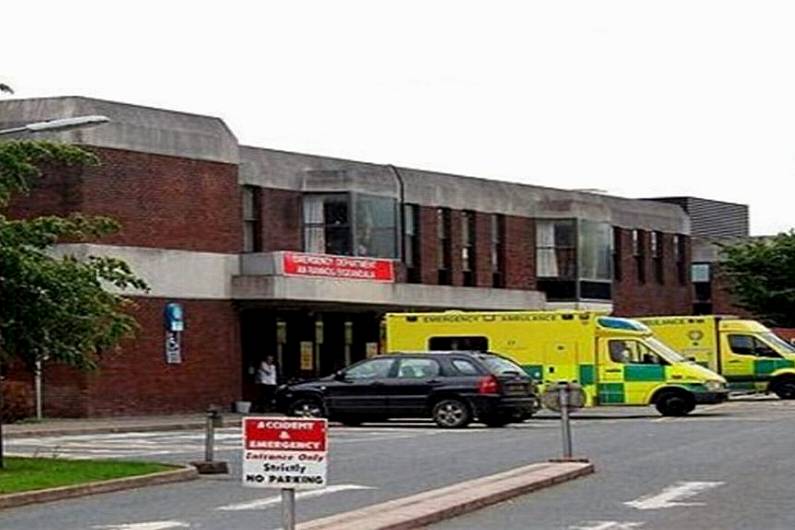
pixel 285 453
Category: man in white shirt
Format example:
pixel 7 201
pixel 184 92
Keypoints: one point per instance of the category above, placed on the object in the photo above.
pixel 266 379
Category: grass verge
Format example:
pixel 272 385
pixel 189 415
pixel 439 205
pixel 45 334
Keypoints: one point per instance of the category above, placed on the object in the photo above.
pixel 29 474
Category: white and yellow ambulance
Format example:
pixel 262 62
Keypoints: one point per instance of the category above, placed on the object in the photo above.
pixel 616 360
pixel 745 352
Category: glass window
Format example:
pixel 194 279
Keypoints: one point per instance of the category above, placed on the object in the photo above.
pixel 596 250
pixel 328 220
pixel 417 368
pixel 500 365
pixel 458 344
pixel 556 250
pixel 444 250
pixel 468 247
pixel 750 345
pixel 617 253
pixel 465 367
pixel 376 221
pixel 632 352
pixel 497 253
pixel 411 256
pixel 700 272
pixel 373 369
pixel 251 219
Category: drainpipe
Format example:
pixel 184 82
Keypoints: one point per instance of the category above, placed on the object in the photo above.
pixel 401 214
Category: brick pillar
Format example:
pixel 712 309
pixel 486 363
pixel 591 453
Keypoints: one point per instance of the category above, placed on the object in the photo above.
pixel 519 247
pixel 428 246
pixel 455 248
pixel 280 214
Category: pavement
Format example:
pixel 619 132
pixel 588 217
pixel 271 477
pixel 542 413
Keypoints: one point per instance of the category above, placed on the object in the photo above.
pixel 64 426
pixel 727 466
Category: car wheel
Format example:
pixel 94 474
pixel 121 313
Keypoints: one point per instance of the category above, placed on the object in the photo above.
pixel 785 389
pixel 675 404
pixel 495 422
pixel 306 408
pixel 451 414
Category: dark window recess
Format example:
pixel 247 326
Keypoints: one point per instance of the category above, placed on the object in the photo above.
pixel 252 222
pixel 458 344
pixel 596 290
pixel 701 308
pixel 639 252
pixel 497 250
pixel 702 291
pixel 411 242
pixel 617 253
pixel 558 290
pixel 444 251
pixel 657 256
pixel 680 250
pixel 468 247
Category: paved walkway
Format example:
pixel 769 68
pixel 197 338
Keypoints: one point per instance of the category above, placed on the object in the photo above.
pixel 66 426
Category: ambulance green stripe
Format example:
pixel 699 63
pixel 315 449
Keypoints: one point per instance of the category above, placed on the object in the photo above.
pixel 644 372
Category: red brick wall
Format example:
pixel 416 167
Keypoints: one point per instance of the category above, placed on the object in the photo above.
pixel 428 246
pixel 455 248
pixel 137 380
pixel 160 201
pixel 281 220
pixel 519 245
pixel 632 298
pixel 722 300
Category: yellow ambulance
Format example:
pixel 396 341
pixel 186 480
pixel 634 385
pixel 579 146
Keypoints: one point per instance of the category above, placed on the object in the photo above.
pixel 616 360
pixel 746 353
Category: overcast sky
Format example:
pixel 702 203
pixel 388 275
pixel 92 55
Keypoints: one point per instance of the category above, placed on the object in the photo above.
pixel 636 98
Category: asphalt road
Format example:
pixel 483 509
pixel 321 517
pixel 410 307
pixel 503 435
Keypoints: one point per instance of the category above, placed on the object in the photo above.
pixel 734 458
pixel 730 468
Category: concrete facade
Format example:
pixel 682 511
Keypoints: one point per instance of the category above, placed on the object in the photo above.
pixel 176 183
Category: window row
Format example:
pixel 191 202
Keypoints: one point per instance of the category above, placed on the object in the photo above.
pixel 575 258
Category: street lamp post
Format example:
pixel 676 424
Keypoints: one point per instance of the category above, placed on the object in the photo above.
pixel 61 124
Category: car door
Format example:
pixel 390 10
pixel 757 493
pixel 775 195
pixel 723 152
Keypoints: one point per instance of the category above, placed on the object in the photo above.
pixel 360 389
pixel 414 380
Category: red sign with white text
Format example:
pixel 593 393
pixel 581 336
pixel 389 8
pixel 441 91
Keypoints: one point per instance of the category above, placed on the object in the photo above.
pixel 285 434
pixel 339 267
pixel 287 453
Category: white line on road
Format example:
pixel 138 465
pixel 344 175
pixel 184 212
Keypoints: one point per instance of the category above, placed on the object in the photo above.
pixel 154 525
pixel 669 496
pixel 271 501
pixel 607 525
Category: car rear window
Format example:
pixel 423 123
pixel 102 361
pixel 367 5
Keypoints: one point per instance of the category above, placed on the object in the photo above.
pixel 465 367
pixel 500 365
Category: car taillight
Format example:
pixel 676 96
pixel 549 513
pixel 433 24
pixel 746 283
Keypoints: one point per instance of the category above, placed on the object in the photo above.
pixel 488 385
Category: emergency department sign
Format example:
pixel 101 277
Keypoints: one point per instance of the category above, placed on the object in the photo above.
pixel 286 453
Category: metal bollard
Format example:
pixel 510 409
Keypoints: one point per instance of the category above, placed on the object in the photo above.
pixel 209 465
pixel 288 509
pixel 565 422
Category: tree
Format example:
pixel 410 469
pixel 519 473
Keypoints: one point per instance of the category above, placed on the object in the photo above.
pixel 52 306
pixel 761 277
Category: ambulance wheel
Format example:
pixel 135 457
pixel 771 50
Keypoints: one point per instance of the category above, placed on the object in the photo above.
pixel 675 403
pixel 451 413
pixel 306 408
pixel 784 388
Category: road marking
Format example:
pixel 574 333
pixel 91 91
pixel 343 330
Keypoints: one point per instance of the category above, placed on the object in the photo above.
pixel 271 501
pixel 154 525
pixel 669 496
pixel 607 525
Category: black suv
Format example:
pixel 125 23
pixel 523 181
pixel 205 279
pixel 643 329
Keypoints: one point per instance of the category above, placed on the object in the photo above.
pixel 453 388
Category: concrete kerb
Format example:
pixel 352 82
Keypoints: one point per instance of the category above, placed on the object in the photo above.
pixel 13 500
pixel 114 429
pixel 436 505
